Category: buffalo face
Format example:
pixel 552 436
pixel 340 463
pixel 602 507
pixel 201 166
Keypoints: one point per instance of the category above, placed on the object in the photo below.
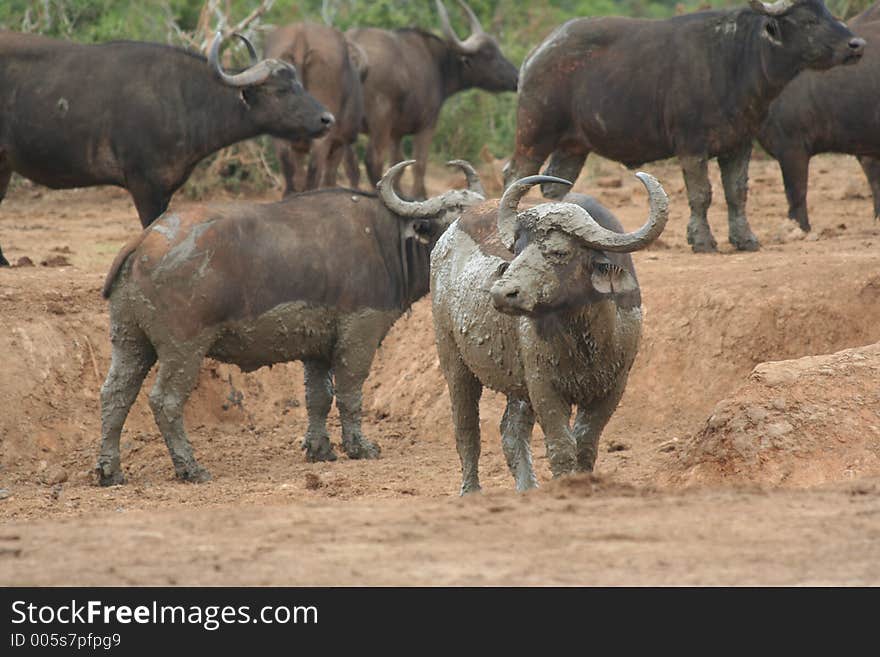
pixel 554 272
pixel 489 69
pixel 285 108
pixel 806 29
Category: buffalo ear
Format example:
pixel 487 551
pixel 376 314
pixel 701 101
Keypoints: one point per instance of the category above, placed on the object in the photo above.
pixel 608 278
pixel 773 32
pixel 419 229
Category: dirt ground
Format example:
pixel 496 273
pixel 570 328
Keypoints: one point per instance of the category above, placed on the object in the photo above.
pixel 746 450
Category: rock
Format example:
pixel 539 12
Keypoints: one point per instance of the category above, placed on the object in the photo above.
pixel 24 261
pixel 615 446
pixel 313 481
pixel 4 494
pixel 56 261
pixel 54 475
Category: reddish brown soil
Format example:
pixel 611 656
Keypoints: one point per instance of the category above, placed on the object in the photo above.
pixel 718 467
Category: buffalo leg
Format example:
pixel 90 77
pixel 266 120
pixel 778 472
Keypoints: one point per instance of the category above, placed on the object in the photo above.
pixel 516 434
pixel 351 365
pixel 334 158
pixel 132 358
pixel 317 167
pixel 871 167
pixel 554 416
pixel 150 199
pixel 695 169
pixel 421 149
pixel 284 152
pixel 464 393
pixel 566 165
pixel 352 166
pixel 735 178
pixel 795 165
pixel 319 399
pixel 589 424
pixel 178 373
pixel 379 129
pixel 5 176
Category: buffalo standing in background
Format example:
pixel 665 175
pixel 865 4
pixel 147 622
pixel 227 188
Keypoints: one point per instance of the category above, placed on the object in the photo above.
pixel 412 73
pixel 257 284
pixel 834 111
pixel 332 70
pixel 136 115
pixel 695 86
pixel 542 305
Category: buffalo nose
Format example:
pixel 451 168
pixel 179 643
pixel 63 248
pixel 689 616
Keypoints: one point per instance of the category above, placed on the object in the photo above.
pixel 327 119
pixel 856 44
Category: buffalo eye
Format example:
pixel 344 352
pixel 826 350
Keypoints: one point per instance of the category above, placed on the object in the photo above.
pixel 772 29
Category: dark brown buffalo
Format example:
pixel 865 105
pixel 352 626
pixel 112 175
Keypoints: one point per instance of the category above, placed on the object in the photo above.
pixel 834 111
pixel 695 86
pixel 412 73
pixel 136 115
pixel 332 70
pixel 257 284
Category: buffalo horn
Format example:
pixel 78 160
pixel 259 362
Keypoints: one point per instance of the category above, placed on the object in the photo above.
pixel 256 74
pixel 467 47
pixel 476 27
pixel 397 205
pixel 574 220
pixel 507 214
pixel 473 178
pixel 250 47
pixel 771 9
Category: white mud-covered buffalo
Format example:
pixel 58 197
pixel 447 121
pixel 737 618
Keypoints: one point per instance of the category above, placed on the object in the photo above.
pixel 695 87
pixel 319 277
pixel 542 305
pixel 136 115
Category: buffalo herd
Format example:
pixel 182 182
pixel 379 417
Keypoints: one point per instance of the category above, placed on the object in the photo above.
pixel 540 302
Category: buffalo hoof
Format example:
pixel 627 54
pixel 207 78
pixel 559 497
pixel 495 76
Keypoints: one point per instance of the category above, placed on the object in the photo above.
pixel 469 488
pixel 361 448
pixel 751 243
pixel 704 246
pixel 701 240
pixel 3 261
pixel 114 478
pixel 318 449
pixel 194 475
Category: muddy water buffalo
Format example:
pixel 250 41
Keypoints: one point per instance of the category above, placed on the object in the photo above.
pixel 136 115
pixel 542 305
pixel 412 73
pixel 332 70
pixel 257 284
pixel 833 111
pixel 695 86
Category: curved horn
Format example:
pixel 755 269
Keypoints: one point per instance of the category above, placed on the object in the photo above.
pixel 473 178
pixel 509 202
pixel 476 27
pixel 397 205
pixel 252 76
pixel 250 47
pixel 595 236
pixel 772 9
pixel 466 47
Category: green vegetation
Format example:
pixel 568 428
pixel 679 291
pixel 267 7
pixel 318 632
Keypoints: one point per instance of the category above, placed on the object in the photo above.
pixel 470 121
